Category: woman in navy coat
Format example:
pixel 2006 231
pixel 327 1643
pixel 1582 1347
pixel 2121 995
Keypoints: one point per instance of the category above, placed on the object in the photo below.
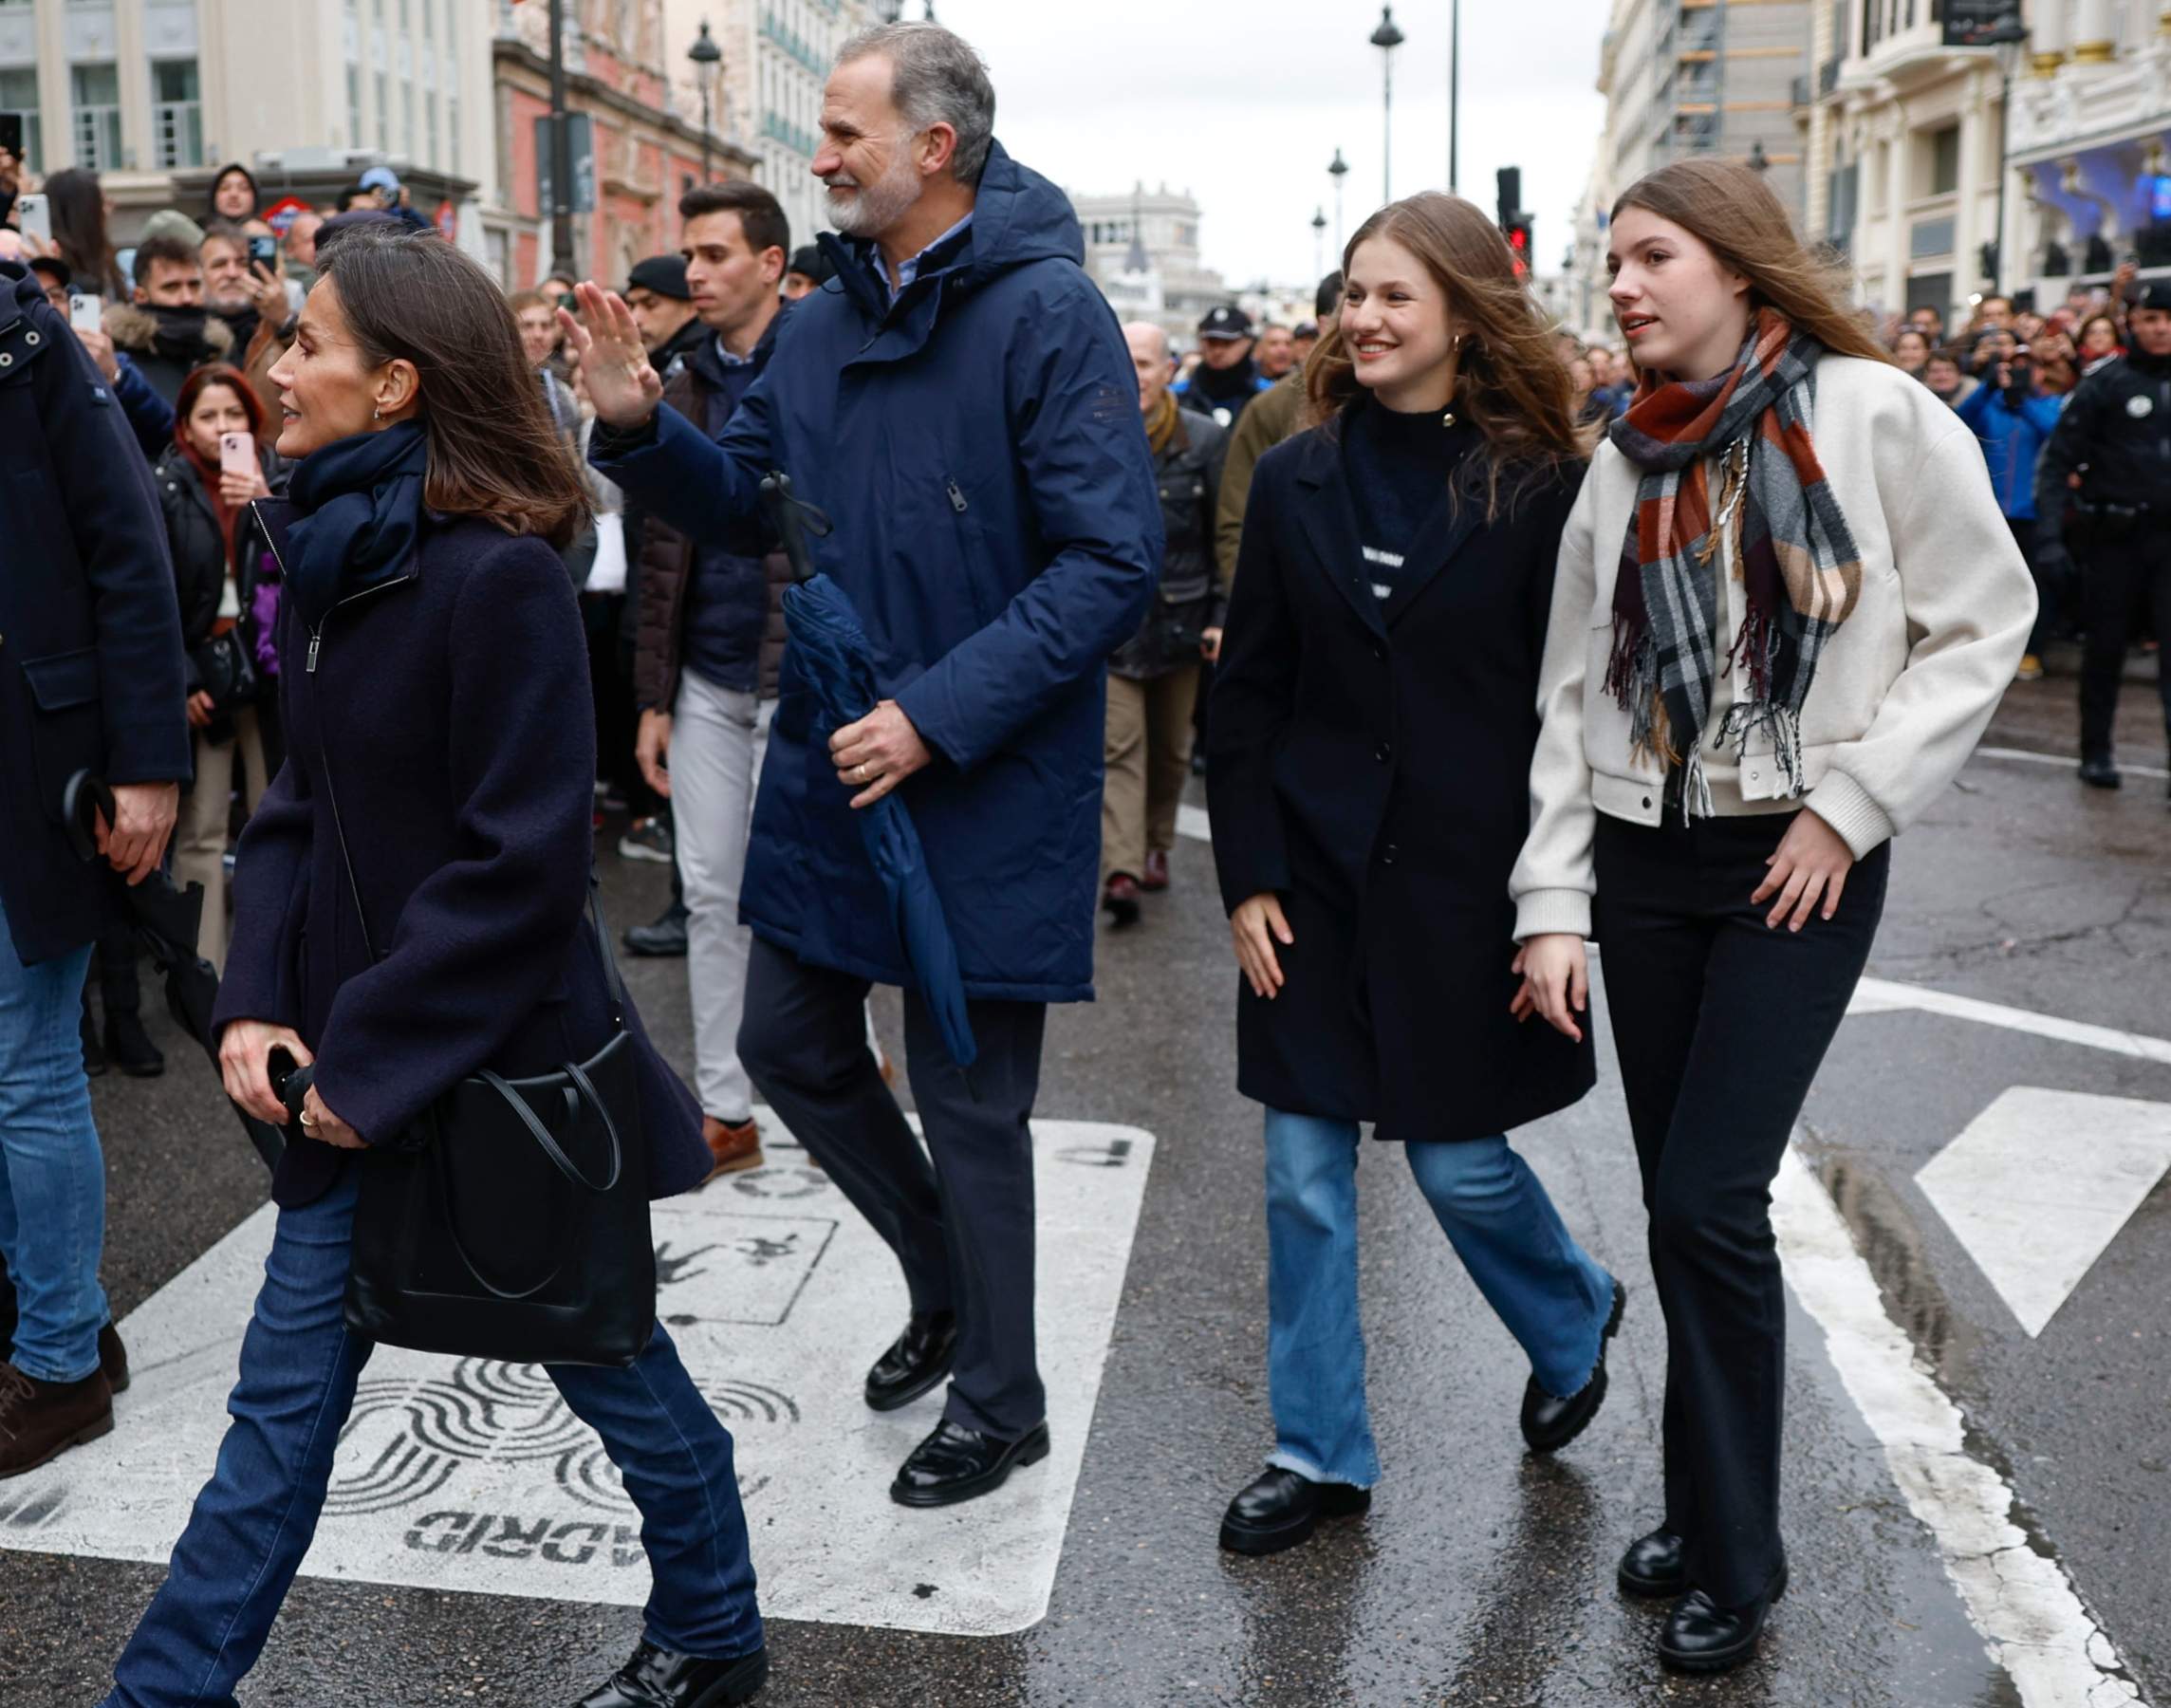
pixel 430 646
pixel 1374 715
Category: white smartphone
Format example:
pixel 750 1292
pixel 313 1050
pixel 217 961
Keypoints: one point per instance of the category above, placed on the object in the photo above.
pixel 34 215
pixel 85 313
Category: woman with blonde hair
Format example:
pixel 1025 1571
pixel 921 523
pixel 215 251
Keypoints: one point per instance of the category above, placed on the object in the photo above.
pixel 1373 724
pixel 1786 606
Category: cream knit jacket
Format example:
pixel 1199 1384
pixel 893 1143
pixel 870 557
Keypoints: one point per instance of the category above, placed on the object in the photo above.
pixel 1902 694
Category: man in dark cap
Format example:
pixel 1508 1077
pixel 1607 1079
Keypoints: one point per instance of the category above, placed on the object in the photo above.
pixel 662 305
pixel 1226 377
pixel 809 270
pixel 2117 428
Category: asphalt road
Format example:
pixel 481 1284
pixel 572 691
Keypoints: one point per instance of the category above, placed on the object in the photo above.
pixel 1482 1576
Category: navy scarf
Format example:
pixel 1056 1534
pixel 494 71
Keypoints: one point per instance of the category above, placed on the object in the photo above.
pixel 360 504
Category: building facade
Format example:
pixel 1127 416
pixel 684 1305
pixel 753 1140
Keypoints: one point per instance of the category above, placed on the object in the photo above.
pixel 148 92
pixel 646 150
pixel 1684 78
pixel 776 57
pixel 1142 249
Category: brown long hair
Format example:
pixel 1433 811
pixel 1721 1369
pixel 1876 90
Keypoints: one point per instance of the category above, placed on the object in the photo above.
pixel 1512 384
pixel 1731 212
pixel 494 453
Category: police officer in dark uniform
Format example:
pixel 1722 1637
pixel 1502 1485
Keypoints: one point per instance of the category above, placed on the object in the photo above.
pixel 1226 377
pixel 2116 435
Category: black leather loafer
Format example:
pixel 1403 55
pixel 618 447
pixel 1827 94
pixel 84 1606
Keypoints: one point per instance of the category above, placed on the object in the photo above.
pixel 957 1463
pixel 917 1360
pixel 1701 1637
pixel 1282 1508
pixel 656 1678
pixel 2099 774
pixel 1653 1565
pixel 1550 1425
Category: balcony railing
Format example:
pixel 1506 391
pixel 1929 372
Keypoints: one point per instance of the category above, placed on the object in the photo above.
pixel 98 138
pixel 176 129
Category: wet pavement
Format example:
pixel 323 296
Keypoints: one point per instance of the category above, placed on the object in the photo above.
pixel 1482 1576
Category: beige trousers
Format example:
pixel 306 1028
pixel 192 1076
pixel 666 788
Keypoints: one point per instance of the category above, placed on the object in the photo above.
pixel 199 847
pixel 1148 756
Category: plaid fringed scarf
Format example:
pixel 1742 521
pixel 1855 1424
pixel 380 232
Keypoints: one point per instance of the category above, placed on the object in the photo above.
pixel 1798 568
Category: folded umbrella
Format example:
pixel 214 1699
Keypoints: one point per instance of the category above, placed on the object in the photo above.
pixel 831 650
pixel 166 922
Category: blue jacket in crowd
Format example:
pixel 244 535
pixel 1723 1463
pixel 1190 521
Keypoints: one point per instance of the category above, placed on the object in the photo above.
pixel 90 627
pixel 2013 440
pixel 977 444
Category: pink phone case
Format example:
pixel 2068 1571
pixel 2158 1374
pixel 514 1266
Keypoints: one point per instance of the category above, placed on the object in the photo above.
pixel 236 454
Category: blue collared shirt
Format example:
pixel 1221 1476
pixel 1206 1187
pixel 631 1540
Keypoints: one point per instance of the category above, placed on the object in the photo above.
pixel 909 270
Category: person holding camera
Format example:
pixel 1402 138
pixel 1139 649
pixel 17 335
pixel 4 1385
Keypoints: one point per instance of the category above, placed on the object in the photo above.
pixel 91 681
pixel 2116 436
pixel 214 467
pixel 2013 418
pixel 1153 679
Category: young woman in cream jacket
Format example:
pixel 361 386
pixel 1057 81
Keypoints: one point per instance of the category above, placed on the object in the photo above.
pixel 1786 608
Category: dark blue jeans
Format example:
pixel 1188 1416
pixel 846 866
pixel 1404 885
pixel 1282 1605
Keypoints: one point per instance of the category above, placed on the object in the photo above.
pixel 254 1520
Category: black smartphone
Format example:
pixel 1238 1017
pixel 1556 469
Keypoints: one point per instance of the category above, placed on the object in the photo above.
pixel 12 134
pixel 264 251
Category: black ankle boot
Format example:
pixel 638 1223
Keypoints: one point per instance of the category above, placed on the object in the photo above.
pixel 1281 1509
pixel 1550 1425
pixel 1652 1565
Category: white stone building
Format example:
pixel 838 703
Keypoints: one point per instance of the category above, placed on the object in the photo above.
pixel 142 90
pixel 1142 249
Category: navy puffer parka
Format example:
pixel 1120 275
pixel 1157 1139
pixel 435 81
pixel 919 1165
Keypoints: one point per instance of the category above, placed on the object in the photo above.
pixel 978 445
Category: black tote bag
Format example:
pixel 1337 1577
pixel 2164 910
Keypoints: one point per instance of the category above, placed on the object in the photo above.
pixel 512 1223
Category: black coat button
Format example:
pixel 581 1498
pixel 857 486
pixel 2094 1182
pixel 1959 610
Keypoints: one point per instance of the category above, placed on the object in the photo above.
pixel 1387 854
pixel 1382 752
pixel 1379 651
pixel 1646 800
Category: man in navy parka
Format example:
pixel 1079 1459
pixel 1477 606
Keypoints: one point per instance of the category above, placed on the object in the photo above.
pixel 961 404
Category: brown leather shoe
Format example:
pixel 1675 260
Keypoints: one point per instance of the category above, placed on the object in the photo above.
pixel 39 1420
pixel 734 1148
pixel 1156 879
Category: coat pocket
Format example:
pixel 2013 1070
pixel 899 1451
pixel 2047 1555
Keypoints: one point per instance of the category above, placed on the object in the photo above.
pixel 67 734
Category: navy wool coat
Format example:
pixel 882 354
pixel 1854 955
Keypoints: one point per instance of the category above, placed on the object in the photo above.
pixel 436 708
pixel 1371 766
pixel 978 447
pixel 90 633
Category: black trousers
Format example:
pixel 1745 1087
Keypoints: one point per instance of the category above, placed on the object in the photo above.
pixel 1720 1023
pixel 2126 577
pixel 962 1229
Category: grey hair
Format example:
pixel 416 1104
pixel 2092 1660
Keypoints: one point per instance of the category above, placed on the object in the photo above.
pixel 935 77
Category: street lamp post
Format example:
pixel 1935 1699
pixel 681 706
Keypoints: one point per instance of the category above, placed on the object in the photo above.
pixel 561 152
pixel 1338 169
pixel 1386 39
pixel 1318 242
pixel 707 57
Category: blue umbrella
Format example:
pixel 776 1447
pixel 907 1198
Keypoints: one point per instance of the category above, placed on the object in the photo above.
pixel 831 650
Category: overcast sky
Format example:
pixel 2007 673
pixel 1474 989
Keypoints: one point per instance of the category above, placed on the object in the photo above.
pixel 1244 102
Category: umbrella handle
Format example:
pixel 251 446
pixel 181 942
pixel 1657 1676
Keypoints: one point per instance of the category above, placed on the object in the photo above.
pixel 81 801
pixel 793 517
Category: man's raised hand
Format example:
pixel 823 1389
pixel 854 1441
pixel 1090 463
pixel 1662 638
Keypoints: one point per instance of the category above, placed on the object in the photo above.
pixel 604 343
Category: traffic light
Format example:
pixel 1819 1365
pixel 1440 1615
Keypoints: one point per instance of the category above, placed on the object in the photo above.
pixel 1519 242
pixel 1514 223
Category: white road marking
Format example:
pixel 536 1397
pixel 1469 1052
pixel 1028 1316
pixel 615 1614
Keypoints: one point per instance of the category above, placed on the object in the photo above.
pixel 2037 1232
pixel 474 1477
pixel 1882 996
pixel 1192 821
pixel 2023 756
pixel 2033 1623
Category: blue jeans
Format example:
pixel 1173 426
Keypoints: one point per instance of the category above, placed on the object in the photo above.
pixel 52 1176
pixel 1551 1295
pixel 254 1520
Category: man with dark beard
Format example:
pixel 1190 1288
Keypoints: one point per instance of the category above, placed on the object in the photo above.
pixel 166 330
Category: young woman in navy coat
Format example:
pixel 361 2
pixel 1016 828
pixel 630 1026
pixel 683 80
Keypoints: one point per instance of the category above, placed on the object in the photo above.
pixel 430 648
pixel 1368 772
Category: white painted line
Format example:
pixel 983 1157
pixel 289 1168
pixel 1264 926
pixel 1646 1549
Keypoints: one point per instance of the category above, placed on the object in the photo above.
pixel 2033 1623
pixel 2037 1232
pixel 1192 821
pixel 474 1477
pixel 2023 756
pixel 1880 995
